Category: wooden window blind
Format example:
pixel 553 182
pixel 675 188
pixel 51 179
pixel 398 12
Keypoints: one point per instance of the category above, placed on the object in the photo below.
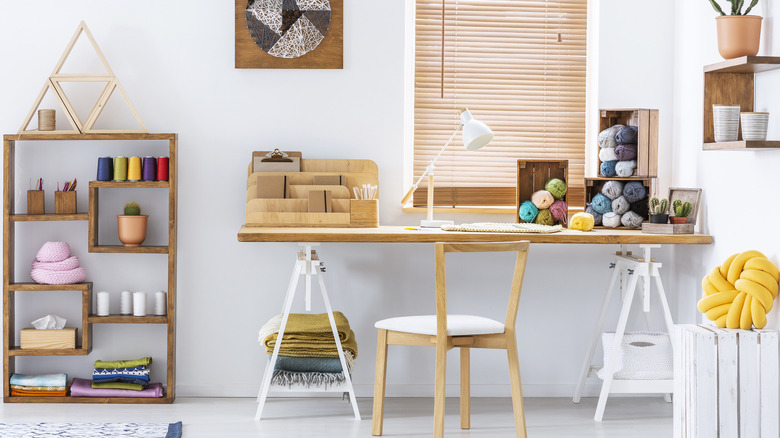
pixel 519 66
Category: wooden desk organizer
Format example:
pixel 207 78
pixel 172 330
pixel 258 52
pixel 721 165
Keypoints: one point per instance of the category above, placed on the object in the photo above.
pixel 293 211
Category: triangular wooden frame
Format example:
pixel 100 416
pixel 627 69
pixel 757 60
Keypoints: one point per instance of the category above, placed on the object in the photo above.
pixel 54 83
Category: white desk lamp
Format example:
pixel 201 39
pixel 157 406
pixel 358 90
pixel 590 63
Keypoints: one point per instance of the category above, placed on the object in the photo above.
pixel 475 135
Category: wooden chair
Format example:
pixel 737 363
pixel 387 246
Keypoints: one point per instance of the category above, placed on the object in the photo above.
pixel 450 331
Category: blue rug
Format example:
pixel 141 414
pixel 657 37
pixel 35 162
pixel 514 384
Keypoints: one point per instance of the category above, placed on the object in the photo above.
pixel 90 430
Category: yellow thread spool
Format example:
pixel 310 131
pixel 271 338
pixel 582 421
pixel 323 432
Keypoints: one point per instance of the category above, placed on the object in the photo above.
pixel 134 169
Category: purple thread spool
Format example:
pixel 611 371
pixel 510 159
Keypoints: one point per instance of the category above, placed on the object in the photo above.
pixel 150 169
pixel 105 169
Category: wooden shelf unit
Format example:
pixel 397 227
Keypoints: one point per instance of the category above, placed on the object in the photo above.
pixel 732 82
pixel 10 218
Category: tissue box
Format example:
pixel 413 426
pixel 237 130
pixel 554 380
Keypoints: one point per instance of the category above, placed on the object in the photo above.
pixel 51 339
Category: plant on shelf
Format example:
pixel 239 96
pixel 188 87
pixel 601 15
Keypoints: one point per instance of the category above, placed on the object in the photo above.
pixel 131 225
pixel 739 34
pixel 681 211
pixel 736 7
pixel 659 210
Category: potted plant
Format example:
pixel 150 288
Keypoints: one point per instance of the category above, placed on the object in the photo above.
pixel 739 34
pixel 132 225
pixel 659 210
pixel 681 212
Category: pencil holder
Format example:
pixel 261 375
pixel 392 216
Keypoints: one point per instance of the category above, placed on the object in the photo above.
pixel 35 202
pixel 65 202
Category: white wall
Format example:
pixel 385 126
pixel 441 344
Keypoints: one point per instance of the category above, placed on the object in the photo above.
pixel 176 63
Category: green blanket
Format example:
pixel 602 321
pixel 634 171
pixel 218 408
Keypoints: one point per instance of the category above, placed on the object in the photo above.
pixel 310 335
pixel 118 385
pixel 124 363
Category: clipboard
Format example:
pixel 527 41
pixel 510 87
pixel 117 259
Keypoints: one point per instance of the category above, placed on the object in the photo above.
pixel 276 161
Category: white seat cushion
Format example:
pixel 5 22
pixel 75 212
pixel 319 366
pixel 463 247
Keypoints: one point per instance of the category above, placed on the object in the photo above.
pixel 457 325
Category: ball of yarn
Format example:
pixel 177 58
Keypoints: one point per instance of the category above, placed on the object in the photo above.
pixel 608 168
pixel 631 220
pixel 612 189
pixel 544 218
pixel 606 138
pixel 556 187
pixel 611 220
pixel 582 222
pixel 596 215
pixel 620 205
pixel 601 204
pixel 625 152
pixel 740 292
pixel 607 154
pixel 634 191
pixel 528 211
pixel 559 210
pixel 640 207
pixel 542 199
pixel 625 168
pixel 627 135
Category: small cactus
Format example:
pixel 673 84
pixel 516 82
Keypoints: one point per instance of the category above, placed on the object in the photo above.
pixel 682 209
pixel 132 209
pixel 658 206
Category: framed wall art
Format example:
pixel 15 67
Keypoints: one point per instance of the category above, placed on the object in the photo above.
pixel 289 34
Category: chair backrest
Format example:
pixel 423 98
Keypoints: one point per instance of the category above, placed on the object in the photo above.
pixel 520 247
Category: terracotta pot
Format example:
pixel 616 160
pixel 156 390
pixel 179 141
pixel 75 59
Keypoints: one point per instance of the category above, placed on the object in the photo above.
pixel 678 220
pixel 132 229
pixel 738 35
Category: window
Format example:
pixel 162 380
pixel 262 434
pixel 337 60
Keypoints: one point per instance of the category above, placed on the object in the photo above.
pixel 519 66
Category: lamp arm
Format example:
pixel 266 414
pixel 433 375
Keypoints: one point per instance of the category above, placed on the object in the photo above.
pixel 429 167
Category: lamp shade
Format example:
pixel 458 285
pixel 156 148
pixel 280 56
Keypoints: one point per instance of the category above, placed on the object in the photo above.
pixel 475 133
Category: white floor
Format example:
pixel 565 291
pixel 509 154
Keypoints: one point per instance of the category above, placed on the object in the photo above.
pixel 407 417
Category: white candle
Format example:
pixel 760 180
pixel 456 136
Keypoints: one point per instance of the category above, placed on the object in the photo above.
pixel 126 303
pixel 159 303
pixel 139 303
pixel 102 303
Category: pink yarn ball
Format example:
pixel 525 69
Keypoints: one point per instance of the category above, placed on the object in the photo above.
pixel 560 211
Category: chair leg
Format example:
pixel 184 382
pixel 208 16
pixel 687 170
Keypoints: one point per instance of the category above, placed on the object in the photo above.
pixel 379 383
pixel 465 388
pixel 517 389
pixel 441 373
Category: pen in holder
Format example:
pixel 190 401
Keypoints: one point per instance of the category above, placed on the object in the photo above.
pixel 35 202
pixel 65 202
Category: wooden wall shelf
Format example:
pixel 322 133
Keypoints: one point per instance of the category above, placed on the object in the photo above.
pixel 96 400
pixel 130 184
pixel 16 351
pixel 119 249
pixel 49 217
pixel 127 319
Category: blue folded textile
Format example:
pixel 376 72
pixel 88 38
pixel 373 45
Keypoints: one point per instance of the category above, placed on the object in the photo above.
pixel 124 379
pixel 308 364
pixel 60 379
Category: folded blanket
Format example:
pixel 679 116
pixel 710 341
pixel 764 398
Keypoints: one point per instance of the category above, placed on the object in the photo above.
pixel 40 388
pixel 25 393
pixel 310 335
pixel 124 363
pixel 290 379
pixel 313 364
pixel 135 380
pixel 119 385
pixel 139 370
pixel 60 379
pixel 83 388
pixel 137 375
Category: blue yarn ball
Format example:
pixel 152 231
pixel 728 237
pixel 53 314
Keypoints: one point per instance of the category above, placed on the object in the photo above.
pixel 608 168
pixel 528 211
pixel 627 135
pixel 596 215
pixel 601 204
pixel 634 191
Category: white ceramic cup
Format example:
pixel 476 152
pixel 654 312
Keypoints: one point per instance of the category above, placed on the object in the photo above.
pixel 725 119
pixel 754 126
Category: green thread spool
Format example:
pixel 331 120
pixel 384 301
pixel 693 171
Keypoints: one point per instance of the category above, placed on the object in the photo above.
pixel 557 187
pixel 120 168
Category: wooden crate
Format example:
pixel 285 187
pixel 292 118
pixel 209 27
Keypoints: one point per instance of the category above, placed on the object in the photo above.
pixel 34 339
pixel 532 175
pixel 593 187
pixel 647 142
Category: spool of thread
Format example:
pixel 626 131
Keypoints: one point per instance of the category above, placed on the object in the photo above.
pixel 627 135
pixel 542 199
pixel 556 187
pixel 105 169
pixel 125 303
pixel 611 220
pixel 560 211
pixel 544 218
pixel 640 207
pixel 134 169
pixel 608 168
pixel 620 205
pixel 597 217
pixel 582 222
pixel 612 189
pixel 606 138
pixel 634 191
pixel 159 303
pixel 631 220
pixel 607 154
pixel 120 168
pixel 47 120
pixel 139 303
pixel 625 168
pixel 150 169
pixel 601 204
pixel 528 211
pixel 103 299
pixel 625 152
pixel 162 169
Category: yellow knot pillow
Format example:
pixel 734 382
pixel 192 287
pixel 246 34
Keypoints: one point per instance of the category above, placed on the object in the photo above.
pixel 740 292
pixel 582 222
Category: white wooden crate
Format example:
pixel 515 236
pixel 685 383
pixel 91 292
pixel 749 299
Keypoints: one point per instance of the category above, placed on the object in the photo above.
pixel 725 383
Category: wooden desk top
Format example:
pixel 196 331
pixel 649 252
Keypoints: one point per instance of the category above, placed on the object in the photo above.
pixel 398 234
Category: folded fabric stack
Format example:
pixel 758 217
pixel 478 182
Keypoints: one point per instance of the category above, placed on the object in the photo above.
pixel 308 354
pixel 54 265
pixel 131 375
pixel 39 385
pixel 618 150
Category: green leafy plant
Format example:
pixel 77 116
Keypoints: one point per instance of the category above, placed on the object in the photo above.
pixel 736 7
pixel 658 206
pixel 132 209
pixel 682 209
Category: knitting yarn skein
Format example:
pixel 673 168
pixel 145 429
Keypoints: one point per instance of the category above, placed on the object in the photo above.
pixel 625 168
pixel 625 152
pixel 612 189
pixel 607 154
pixel 608 168
pixel 620 205
pixel 631 220
pixel 640 207
pixel 559 210
pixel 544 218
pixel 582 222
pixel 627 135
pixel 542 199
pixel 606 138
pixel 634 191
pixel 596 215
pixel 611 220
pixel 601 204
pixel 556 187
pixel 528 211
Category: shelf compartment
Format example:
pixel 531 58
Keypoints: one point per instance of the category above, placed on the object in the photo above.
pixel 165 399
pixel 127 319
pixel 79 351
pixel 130 184
pixel 129 249
pixel 49 217
pixel 745 64
pixel 741 145
pixel 49 287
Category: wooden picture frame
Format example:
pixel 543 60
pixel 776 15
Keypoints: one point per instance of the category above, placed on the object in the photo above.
pixel 329 54
pixel 686 195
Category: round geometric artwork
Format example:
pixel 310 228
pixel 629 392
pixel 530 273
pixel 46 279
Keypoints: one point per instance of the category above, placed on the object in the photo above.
pixel 288 28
